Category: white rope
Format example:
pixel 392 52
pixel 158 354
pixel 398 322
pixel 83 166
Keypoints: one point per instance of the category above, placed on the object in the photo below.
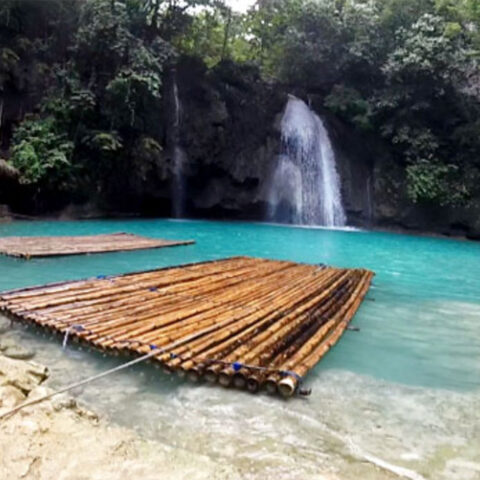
pixel 153 353
pixel 65 338
pixel 78 384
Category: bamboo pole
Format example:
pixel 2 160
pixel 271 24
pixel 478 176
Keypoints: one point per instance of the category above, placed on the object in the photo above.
pixel 312 349
pixel 194 307
pixel 291 343
pixel 261 315
pixel 28 247
pixel 187 267
pixel 158 297
pixel 252 320
pixel 145 279
pixel 236 301
pixel 275 310
pixel 96 307
pixel 251 352
pixel 105 289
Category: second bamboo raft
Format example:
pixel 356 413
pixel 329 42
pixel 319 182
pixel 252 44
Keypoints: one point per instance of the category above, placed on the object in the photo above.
pixel 243 322
pixel 28 247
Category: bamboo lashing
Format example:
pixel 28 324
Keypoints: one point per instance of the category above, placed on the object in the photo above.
pixel 29 247
pixel 246 322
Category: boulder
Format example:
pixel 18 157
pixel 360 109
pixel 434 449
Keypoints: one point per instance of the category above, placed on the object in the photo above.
pixel 24 376
pixel 10 396
pixel 11 349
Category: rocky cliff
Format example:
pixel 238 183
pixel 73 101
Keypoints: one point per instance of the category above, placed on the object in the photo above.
pixel 229 132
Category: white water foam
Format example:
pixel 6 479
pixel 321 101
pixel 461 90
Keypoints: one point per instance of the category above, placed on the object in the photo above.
pixel 305 186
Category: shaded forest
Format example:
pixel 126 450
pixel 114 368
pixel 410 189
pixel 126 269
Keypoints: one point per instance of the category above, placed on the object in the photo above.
pixel 85 85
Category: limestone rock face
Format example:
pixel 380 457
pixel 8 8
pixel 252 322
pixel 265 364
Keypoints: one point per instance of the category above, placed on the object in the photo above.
pixel 5 213
pixel 230 136
pixel 10 189
pixel 10 396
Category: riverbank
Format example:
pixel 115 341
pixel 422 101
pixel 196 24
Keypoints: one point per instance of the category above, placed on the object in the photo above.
pixel 61 439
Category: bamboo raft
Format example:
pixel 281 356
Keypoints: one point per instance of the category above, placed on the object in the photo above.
pixel 27 247
pixel 240 321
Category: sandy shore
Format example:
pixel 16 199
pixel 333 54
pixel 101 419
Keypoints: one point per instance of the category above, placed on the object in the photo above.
pixel 58 439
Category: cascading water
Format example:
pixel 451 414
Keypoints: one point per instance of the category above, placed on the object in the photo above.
pixel 305 185
pixel 179 157
pixel 285 197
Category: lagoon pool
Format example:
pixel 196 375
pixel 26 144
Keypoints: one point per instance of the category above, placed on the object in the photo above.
pixel 404 390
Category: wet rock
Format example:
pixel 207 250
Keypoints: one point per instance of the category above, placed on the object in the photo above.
pixel 22 375
pixel 4 324
pixel 64 401
pixel 19 353
pixel 6 343
pixel 38 392
pixel 12 350
pixel 82 211
pixel 7 170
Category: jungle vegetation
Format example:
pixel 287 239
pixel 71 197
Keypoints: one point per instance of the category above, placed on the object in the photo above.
pixel 81 81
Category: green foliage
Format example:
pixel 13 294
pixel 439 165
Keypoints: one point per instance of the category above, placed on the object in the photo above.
pixel 94 70
pixel 349 104
pixel 42 154
pixel 415 143
pixel 217 34
pixel 147 156
pixel 435 183
pixel 403 68
pixel 100 95
pixel 103 142
pixel 425 52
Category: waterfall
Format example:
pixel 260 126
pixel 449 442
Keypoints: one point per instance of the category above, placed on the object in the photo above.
pixel 305 186
pixel 285 198
pixel 178 156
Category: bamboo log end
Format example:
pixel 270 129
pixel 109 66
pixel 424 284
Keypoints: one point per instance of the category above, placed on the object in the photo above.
pixel 271 386
pixel 210 376
pixel 193 376
pixel 287 386
pixel 253 385
pixel 239 380
pixel 224 380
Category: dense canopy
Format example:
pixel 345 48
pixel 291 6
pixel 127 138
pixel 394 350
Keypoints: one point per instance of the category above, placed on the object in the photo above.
pixel 82 82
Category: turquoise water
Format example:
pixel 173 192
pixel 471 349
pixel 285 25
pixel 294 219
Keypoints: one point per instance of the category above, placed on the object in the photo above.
pixel 406 386
pixel 421 327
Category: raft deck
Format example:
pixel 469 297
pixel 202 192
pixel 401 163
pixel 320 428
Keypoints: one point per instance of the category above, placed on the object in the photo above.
pixel 240 321
pixel 27 247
